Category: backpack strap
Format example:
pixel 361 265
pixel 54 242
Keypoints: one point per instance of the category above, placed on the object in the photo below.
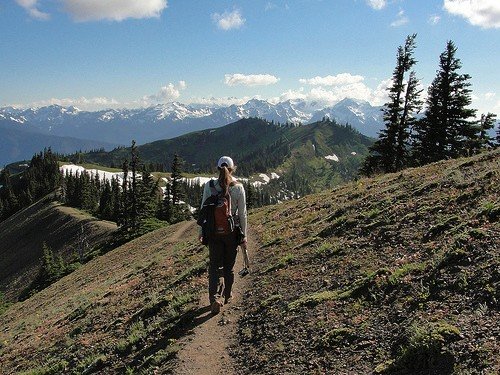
pixel 212 188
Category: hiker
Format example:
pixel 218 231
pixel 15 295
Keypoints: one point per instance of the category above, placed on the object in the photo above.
pixel 227 232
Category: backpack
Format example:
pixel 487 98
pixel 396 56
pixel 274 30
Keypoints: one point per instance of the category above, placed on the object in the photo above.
pixel 215 215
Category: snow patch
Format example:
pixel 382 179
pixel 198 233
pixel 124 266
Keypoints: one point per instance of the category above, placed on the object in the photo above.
pixel 265 177
pixel 103 175
pixel 200 181
pixel 353 153
pixel 332 157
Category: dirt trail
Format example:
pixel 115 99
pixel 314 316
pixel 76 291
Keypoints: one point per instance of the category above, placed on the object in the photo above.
pixel 205 350
pixel 180 231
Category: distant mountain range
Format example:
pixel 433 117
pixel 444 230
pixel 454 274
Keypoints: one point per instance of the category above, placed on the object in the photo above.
pixel 164 121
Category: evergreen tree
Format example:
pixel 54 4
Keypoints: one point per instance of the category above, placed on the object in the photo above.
pixel 391 151
pixel 446 131
pixel 134 189
pixel 115 199
pixel 251 195
pixel 52 267
pixel 176 177
pixel 106 202
pixel 148 195
pixel 167 204
pixel 123 215
pixel 486 123
pixel 179 211
pixel 10 202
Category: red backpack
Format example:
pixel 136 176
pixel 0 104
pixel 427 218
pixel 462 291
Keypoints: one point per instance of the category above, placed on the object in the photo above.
pixel 223 219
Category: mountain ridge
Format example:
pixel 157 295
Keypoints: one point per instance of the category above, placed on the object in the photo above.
pixel 157 121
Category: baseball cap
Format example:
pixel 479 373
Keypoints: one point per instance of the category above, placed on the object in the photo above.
pixel 225 160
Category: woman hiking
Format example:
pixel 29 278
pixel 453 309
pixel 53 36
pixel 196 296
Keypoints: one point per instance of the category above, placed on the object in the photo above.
pixel 227 232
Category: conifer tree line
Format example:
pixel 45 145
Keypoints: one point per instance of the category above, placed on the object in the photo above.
pixel 447 128
pixel 18 191
pixel 130 201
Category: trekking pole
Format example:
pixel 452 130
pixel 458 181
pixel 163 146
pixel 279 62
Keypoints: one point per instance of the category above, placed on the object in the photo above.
pixel 246 262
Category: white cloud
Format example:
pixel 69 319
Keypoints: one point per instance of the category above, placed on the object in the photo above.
pixel 31 7
pixel 250 80
pixel 400 20
pixel 379 95
pixel 327 96
pixel 114 10
pixel 377 4
pixel 221 101
pixel 434 19
pixel 483 13
pixel 228 20
pixel 338 80
pixel 82 103
pixel 489 95
pixel 167 93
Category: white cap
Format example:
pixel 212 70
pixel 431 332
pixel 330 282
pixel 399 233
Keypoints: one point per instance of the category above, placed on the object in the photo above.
pixel 225 160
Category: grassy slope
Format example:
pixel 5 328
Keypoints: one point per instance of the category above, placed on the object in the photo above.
pixel 22 236
pixel 343 280
pixel 396 274
pixel 122 309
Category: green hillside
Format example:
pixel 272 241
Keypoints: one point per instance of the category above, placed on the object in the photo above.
pixel 256 144
pixel 61 228
pixel 397 274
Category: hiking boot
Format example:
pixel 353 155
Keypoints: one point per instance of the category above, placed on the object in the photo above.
pixel 215 307
pixel 228 299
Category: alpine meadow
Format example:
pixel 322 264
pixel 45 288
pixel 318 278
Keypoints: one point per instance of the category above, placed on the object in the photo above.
pixel 265 187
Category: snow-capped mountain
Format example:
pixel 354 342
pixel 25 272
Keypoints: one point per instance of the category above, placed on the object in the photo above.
pixel 173 119
pixel 361 115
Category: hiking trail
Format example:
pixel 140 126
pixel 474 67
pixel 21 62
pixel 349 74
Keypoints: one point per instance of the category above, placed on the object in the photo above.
pixel 205 350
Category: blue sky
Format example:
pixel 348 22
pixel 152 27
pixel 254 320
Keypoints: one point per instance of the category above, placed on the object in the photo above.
pixel 129 53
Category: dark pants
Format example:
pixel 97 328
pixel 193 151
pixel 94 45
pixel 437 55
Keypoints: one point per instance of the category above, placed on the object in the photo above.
pixel 222 252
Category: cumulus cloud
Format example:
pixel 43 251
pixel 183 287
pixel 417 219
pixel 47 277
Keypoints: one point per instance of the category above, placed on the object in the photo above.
pixel 337 80
pixel 400 20
pixel 250 80
pixel 229 20
pixel 434 19
pixel 167 93
pixel 377 4
pixel 323 96
pixel 114 10
pixel 31 7
pixel 483 13
pixel 489 95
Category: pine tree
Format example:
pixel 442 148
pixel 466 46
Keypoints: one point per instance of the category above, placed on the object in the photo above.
pixel 106 202
pixel 134 189
pixel 167 204
pixel 123 215
pixel 115 199
pixel 9 196
pixel 446 131
pixel 486 123
pixel 251 195
pixel 391 151
pixel 176 177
